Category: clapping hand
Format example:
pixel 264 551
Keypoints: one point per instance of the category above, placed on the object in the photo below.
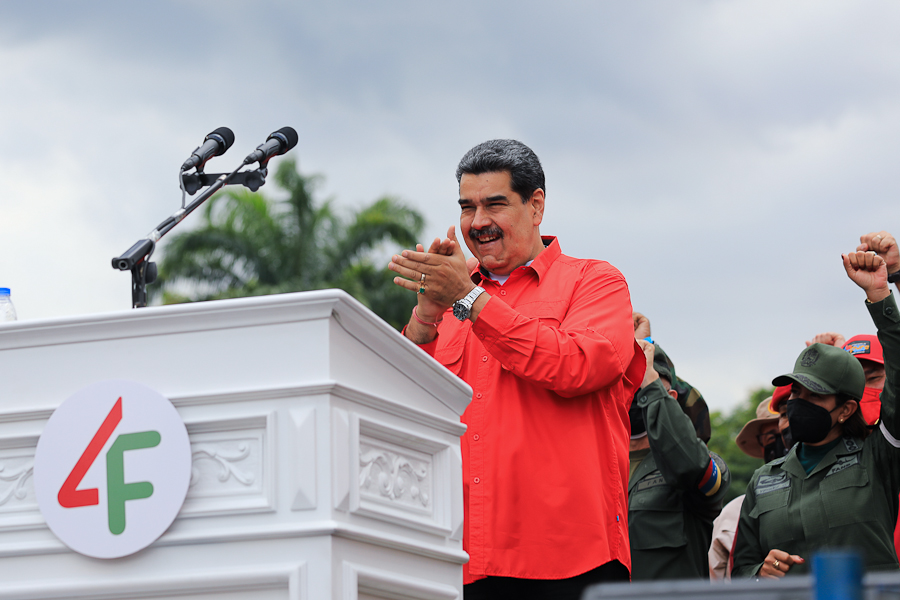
pixel 440 275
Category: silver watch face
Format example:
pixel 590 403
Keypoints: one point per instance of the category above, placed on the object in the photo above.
pixel 461 311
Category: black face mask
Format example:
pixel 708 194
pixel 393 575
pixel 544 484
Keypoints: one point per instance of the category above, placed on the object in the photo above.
pixel 774 450
pixel 809 422
pixel 636 415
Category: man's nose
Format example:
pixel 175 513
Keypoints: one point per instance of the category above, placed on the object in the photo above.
pixel 481 219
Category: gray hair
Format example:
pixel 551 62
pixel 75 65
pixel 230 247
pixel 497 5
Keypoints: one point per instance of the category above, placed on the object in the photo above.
pixel 525 171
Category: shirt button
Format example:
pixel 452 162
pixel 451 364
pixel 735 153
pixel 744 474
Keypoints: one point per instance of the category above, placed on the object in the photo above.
pixel 889 310
pixel 476 437
pixel 502 292
pixel 481 336
pixel 477 480
pixel 478 395
pixel 484 359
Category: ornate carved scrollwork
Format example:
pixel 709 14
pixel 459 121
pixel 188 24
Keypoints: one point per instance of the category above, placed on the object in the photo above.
pixel 224 458
pixel 396 475
pixel 17 488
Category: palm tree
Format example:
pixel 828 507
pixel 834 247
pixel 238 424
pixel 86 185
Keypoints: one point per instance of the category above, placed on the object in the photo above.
pixel 250 245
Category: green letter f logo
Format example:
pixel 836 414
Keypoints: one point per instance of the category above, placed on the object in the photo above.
pixel 117 491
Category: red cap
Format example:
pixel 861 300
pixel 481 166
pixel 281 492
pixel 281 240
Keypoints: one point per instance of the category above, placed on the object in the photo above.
pixel 865 347
pixel 781 394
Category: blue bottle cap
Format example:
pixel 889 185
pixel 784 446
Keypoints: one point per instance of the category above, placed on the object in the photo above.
pixel 4 291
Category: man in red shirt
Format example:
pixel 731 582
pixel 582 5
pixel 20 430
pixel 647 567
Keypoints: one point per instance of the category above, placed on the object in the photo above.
pixel 547 343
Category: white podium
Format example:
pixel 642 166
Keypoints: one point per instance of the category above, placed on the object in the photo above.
pixel 326 459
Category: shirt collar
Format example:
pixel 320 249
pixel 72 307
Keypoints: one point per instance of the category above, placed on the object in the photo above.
pixel 539 265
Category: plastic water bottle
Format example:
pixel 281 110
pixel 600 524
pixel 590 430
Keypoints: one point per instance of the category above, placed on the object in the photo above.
pixel 7 310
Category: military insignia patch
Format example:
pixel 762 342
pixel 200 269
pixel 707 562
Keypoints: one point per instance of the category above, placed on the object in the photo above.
pixel 651 482
pixel 772 483
pixel 842 463
pixel 810 384
pixel 859 347
pixel 810 357
pixel 850 444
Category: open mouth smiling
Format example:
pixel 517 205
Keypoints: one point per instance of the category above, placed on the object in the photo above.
pixel 486 236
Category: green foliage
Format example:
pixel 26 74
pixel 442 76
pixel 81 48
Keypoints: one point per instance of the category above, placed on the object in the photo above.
pixel 725 429
pixel 250 245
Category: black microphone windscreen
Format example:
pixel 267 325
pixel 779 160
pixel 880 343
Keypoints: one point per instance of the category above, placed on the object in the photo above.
pixel 290 134
pixel 226 134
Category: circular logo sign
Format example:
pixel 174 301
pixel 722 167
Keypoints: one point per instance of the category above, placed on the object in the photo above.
pixel 112 468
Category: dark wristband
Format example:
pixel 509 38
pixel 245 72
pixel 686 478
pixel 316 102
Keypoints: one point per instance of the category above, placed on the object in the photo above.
pixel 894 277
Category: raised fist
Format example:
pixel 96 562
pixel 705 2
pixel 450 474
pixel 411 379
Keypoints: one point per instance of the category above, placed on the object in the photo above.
pixel 884 245
pixel 641 326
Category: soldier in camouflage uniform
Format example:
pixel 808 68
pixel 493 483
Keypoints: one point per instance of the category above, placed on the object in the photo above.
pixel 676 485
pixel 838 487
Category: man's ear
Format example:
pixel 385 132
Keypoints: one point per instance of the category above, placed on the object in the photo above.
pixel 673 393
pixel 537 206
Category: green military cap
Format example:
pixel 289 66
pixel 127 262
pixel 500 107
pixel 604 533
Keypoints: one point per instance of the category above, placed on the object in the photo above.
pixel 825 369
pixel 689 397
pixel 662 364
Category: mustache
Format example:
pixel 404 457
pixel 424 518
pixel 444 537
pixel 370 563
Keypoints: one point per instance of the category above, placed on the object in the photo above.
pixel 493 230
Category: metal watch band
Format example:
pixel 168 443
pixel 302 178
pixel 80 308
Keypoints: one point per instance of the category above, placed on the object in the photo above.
pixel 462 308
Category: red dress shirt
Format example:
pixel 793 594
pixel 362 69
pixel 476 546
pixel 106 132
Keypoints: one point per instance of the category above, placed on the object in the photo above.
pixel 553 367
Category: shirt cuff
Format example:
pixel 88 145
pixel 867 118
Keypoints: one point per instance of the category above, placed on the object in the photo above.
pixel 653 391
pixel 884 313
pixel 493 321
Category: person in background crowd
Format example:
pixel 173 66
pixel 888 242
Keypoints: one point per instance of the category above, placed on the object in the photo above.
pixel 689 397
pixel 676 484
pixel 868 350
pixel 546 344
pixel 778 404
pixel 839 485
pixel 758 438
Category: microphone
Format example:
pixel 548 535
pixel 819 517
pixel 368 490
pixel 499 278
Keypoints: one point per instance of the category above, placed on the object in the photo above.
pixel 276 144
pixel 215 144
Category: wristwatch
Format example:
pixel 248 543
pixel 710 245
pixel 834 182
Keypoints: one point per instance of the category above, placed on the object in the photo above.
pixel 462 308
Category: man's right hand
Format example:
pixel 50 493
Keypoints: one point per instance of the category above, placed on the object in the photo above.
pixel 426 305
pixel 829 338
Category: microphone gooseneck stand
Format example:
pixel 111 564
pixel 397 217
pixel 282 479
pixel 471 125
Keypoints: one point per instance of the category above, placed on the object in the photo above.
pixel 137 258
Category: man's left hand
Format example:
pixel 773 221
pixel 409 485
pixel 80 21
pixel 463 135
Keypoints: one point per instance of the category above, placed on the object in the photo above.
pixel 446 273
pixel 650 374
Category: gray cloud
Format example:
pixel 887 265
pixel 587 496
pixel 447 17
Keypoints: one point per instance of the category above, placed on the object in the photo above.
pixel 721 154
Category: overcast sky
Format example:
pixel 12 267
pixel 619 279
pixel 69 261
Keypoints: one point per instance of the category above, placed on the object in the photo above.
pixel 722 155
